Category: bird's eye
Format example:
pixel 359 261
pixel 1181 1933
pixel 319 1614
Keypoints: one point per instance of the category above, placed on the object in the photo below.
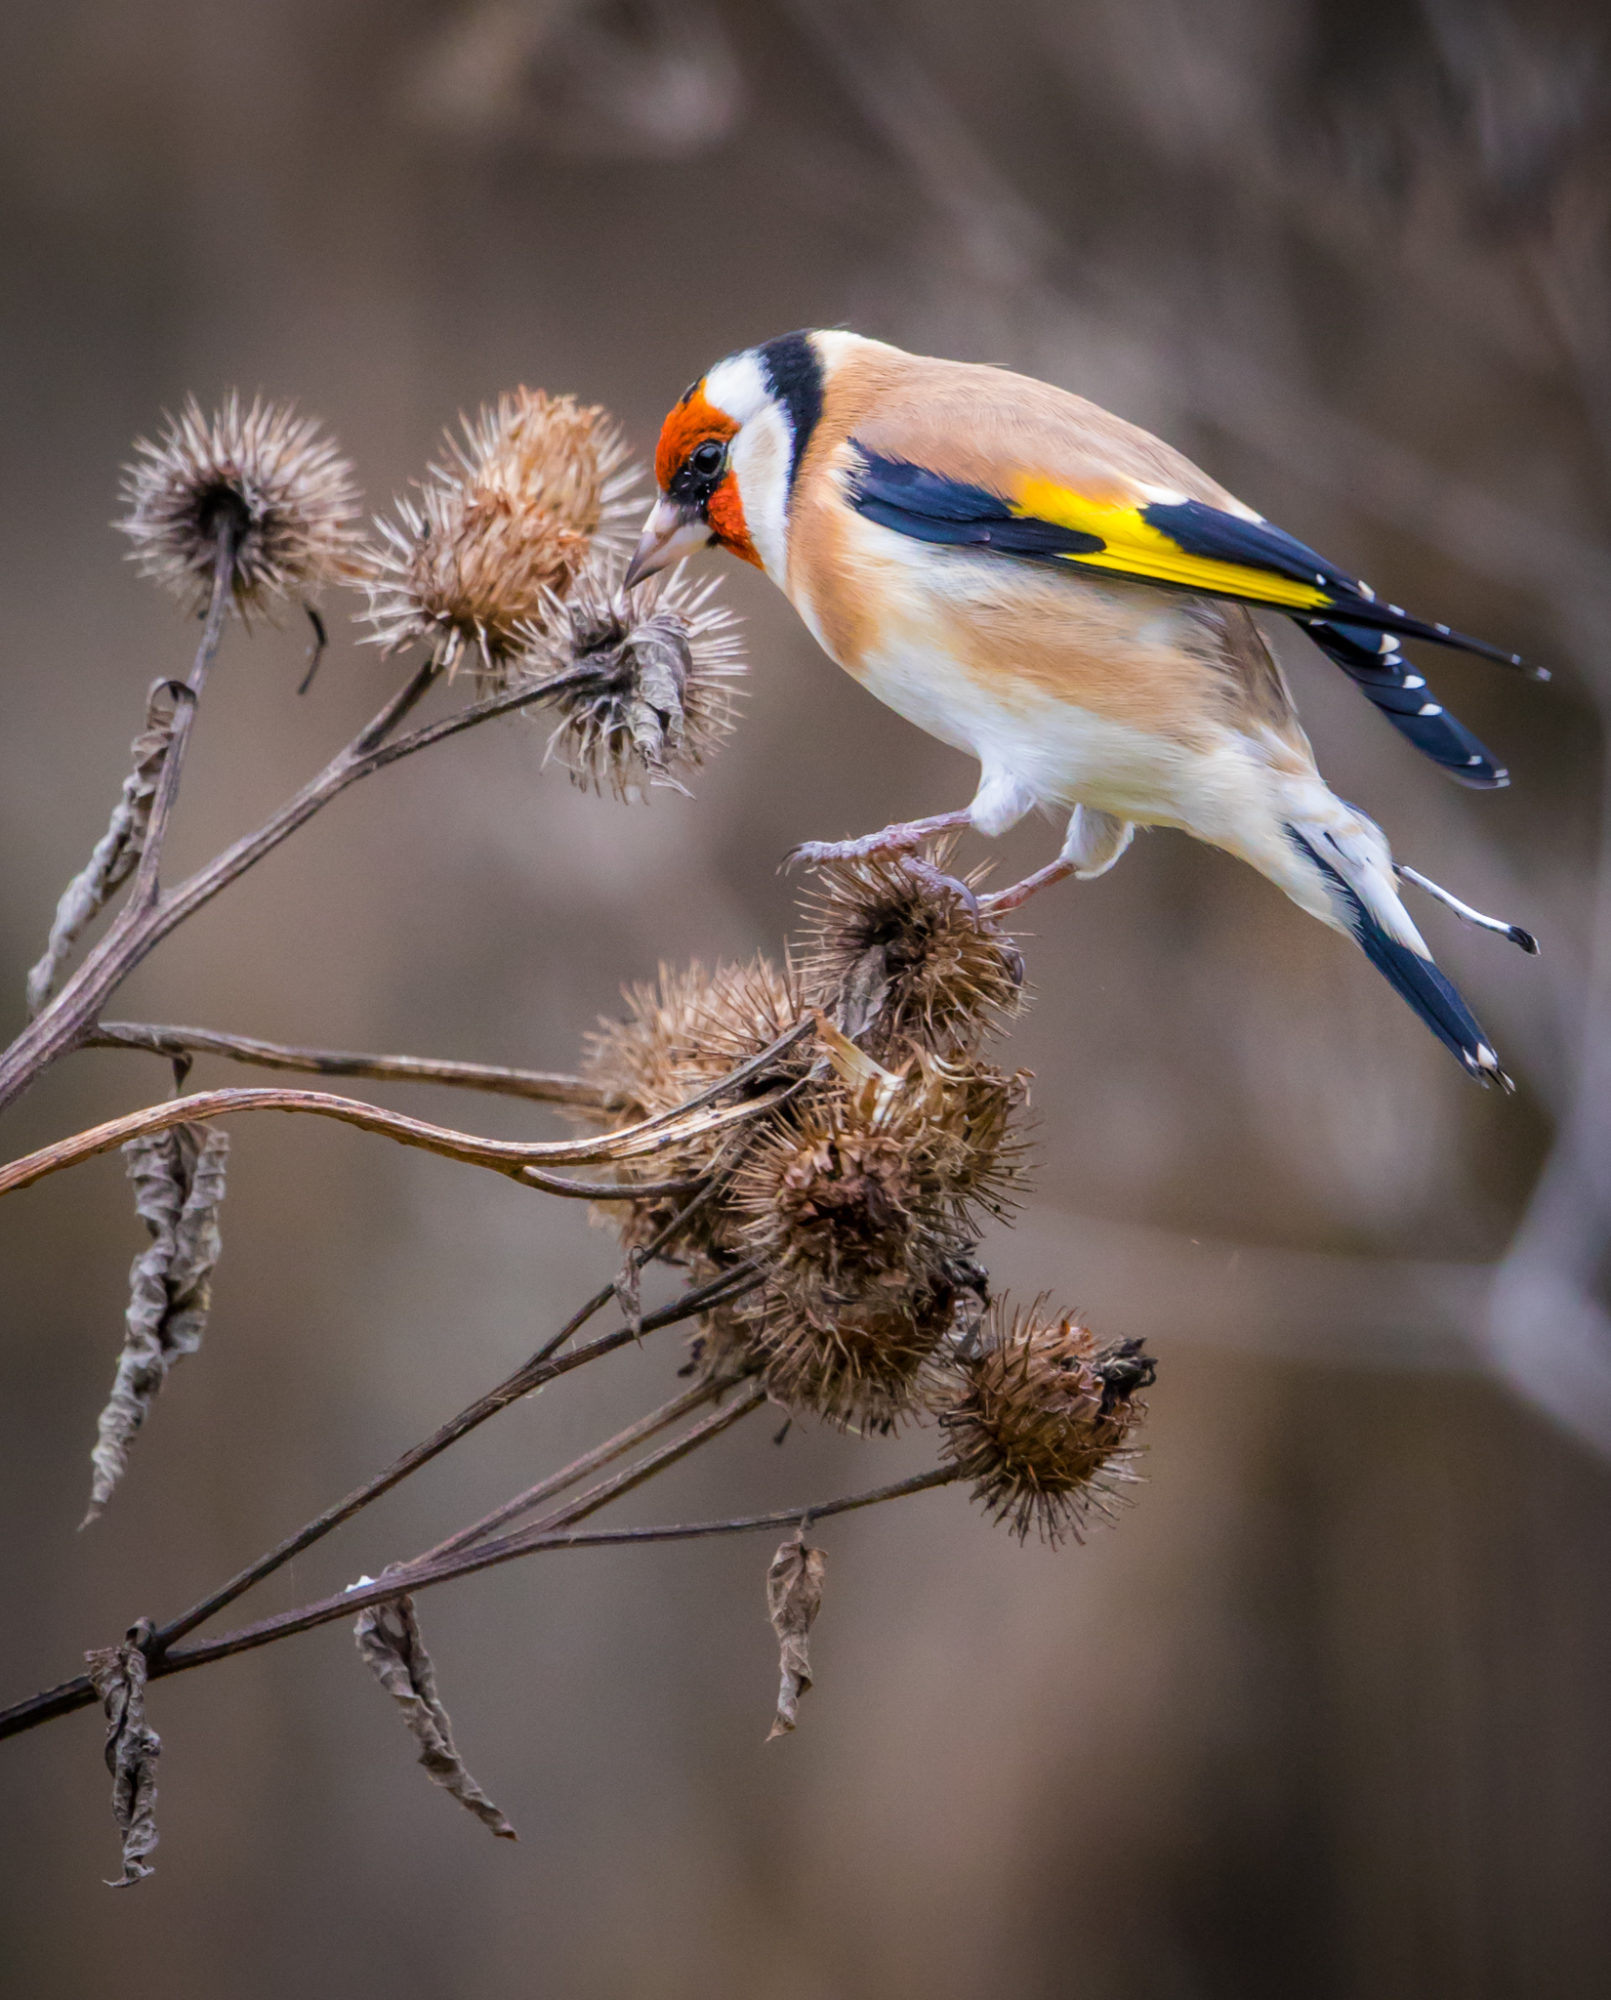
pixel 707 459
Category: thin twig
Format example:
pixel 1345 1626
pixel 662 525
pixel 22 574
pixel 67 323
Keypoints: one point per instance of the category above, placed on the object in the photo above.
pixel 506 1156
pixel 568 1475
pixel 584 1504
pixel 346 1604
pixel 541 1086
pixel 71 1015
pixel 509 1548
pixel 544 1366
pixel 144 892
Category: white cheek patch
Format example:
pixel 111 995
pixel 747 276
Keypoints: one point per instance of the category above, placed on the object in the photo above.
pixel 761 453
pixel 738 387
pixel 760 459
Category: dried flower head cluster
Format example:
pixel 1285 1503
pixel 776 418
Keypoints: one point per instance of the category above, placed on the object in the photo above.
pixel 499 530
pixel 858 1193
pixel 256 483
pixel 647 676
pixel 678 1036
pixel 1041 1419
pixel 896 960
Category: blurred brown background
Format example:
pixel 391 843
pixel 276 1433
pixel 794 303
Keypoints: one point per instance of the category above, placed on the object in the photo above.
pixel 1328 1714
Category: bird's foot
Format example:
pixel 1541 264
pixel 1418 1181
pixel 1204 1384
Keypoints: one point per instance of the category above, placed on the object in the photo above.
pixel 902 838
pixel 1014 897
pixel 941 884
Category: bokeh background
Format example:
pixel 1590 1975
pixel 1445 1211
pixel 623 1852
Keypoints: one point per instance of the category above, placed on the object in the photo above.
pixel 1327 1713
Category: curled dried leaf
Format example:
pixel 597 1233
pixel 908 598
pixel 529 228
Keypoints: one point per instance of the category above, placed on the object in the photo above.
pixel 178 1180
pixel 116 852
pixel 793 1599
pixel 132 1749
pixel 389 1642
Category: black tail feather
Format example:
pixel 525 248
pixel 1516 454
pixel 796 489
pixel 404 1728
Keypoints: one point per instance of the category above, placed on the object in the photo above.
pixel 1373 662
pixel 1415 979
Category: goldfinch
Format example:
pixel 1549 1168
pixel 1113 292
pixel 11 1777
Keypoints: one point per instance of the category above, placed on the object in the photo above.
pixel 1070 601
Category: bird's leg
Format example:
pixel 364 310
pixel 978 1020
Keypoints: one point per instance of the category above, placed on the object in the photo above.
pixel 1020 892
pixel 902 838
pixel 1095 841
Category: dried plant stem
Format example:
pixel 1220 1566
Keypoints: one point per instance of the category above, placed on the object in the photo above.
pixel 568 1475
pixel 515 1157
pixel 139 926
pixel 539 1086
pixel 144 892
pixel 543 1366
pixel 480 1532
pixel 537 1540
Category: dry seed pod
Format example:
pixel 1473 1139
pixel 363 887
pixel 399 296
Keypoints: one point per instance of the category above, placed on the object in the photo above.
pixel 661 661
pixel 894 959
pixel 680 1035
pixel 860 1363
pixel 499 530
pixel 1040 1420
pixel 269 480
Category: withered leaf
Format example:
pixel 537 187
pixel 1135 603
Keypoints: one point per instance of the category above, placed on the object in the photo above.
pixel 118 1673
pixel 655 718
pixel 178 1180
pixel 793 1599
pixel 115 853
pixel 388 1638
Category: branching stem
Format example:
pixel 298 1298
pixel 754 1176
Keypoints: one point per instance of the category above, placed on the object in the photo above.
pixel 142 924
pixel 540 1086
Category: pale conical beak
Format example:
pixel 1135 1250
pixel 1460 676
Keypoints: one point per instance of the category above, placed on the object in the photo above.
pixel 671 532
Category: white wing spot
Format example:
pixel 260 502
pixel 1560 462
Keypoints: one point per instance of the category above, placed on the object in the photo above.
pixel 1429 708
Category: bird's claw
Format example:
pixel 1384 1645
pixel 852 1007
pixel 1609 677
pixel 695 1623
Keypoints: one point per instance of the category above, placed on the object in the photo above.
pixel 869 847
pixel 942 884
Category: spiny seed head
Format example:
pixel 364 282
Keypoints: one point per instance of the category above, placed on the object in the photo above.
pixel 259 478
pixel 656 667
pixel 894 959
pixel 872 1177
pixel 863 1363
pixel 1039 1418
pixel 685 1030
pixel 499 530
pixel 680 1035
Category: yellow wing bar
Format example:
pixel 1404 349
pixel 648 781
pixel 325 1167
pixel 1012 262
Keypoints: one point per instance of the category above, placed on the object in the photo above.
pixel 1133 546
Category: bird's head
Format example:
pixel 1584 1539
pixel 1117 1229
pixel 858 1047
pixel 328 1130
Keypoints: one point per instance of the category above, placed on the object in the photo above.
pixel 728 453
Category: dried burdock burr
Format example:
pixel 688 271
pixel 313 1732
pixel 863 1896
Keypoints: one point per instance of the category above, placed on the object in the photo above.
pixel 894 958
pixel 256 482
pixel 653 666
pixel 1040 1417
pixel 864 1362
pixel 499 529
pixel 678 1036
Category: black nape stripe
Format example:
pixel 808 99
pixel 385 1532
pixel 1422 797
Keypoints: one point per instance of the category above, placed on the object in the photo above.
pixel 794 375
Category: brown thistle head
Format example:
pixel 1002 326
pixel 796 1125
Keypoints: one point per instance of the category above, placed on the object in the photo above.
pixel 864 1363
pixel 895 959
pixel 500 528
pixel 257 482
pixel 1040 1416
pixel 648 673
pixel 679 1035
